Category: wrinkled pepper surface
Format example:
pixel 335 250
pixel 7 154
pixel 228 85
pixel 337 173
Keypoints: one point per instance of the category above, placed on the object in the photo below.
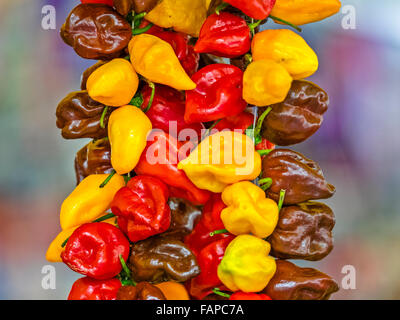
pixel 91 289
pixel 142 291
pixel 257 9
pixel 249 296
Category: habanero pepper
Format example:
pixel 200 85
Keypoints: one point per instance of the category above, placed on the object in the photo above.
pixel 218 94
pixel 107 2
pixel 91 289
pixel 142 208
pixel 240 122
pixel 257 9
pixel 173 290
pixel 249 296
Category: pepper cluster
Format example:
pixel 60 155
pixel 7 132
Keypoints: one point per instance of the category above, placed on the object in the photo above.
pixel 182 193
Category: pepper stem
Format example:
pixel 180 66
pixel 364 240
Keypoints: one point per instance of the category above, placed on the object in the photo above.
pixel 208 131
pixel 264 152
pixel 282 194
pixel 265 183
pixel 286 22
pixel 214 233
pixel 253 26
pixel 221 7
pixel 127 272
pixel 260 121
pixel 217 291
pixel 108 179
pixel 103 116
pixel 153 92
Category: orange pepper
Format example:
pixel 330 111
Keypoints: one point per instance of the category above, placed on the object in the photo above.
pixel 173 290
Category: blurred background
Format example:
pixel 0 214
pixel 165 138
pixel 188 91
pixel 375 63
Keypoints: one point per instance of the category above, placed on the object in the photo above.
pixel 357 147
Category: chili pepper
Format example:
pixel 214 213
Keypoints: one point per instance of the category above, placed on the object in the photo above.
pixel 168 106
pixel 141 208
pixel 88 202
pixel 142 291
pixel 221 159
pixel 92 289
pixel 128 129
pixel 249 296
pixel 265 82
pixel 305 11
pixel 94 250
pixel 173 290
pixel 265 145
pixel 238 123
pixel 248 210
pixel 246 265
pixel 114 83
pixel 302 178
pixel 286 48
pixel 257 9
pixel 160 159
pixel 107 2
pixel 86 74
pixel 186 16
pixel 224 35
pixel 218 94
pixel 156 60
pixel 96 31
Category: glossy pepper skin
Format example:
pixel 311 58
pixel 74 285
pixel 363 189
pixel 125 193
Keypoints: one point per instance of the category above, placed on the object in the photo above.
pixel 265 82
pixel 156 60
pixel 304 231
pixel 302 12
pixel 92 289
pixel 86 74
pixel 88 201
pixel 94 158
pixel 173 290
pixel 239 123
pixel 78 116
pixel 286 48
pixel 224 35
pixel 252 252
pixel 302 178
pixel 168 106
pixel 218 94
pixel 291 282
pixel 141 208
pixel 94 250
pixel 167 151
pixel 128 129
pixel 142 291
pixel 249 296
pixel 248 210
pixel 96 31
pixel 257 9
pixel 298 117
pixel 229 158
pixel 162 258
pixel 107 2
pixel 139 6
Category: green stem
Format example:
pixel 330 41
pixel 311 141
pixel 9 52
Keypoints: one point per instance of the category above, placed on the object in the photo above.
pixel 207 133
pixel 221 7
pixel 286 22
pixel 282 194
pixel 253 26
pixel 153 92
pixel 108 179
pixel 260 121
pixel 214 233
pixel 265 183
pixel 264 152
pixel 127 272
pixel 136 32
pixel 103 116
pixel 104 218
pixel 217 291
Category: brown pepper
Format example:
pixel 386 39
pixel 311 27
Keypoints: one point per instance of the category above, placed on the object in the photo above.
pixel 94 158
pixel 78 116
pixel 302 178
pixel 96 31
pixel 144 5
pixel 304 231
pixel 86 74
pixel 123 7
pixel 298 117
pixel 142 291
pixel 162 258
pixel 291 282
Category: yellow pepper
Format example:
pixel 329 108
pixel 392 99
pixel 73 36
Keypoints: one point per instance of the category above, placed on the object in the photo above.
pixel 88 201
pixel 128 128
pixel 156 60
pixel 53 253
pixel 114 83
pixel 222 159
pixel 248 210
pixel 305 11
pixel 185 16
pixel 286 48
pixel 247 265
pixel 265 82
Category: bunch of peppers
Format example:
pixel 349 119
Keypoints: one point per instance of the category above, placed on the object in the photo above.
pixel 166 123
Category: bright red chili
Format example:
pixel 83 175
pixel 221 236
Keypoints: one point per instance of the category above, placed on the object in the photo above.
pixel 94 250
pixel 107 2
pixel 92 289
pixel 142 208
pixel 249 296
pixel 241 122
pixel 224 35
pixel 218 94
pixel 257 9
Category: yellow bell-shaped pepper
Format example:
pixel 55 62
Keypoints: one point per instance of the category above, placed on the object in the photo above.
pixel 247 265
pixel 88 201
pixel 248 210
pixel 265 82
pixel 222 159
pixel 156 60
pixel 305 11
pixel 185 16
pixel 114 83
pixel 128 128
pixel 286 48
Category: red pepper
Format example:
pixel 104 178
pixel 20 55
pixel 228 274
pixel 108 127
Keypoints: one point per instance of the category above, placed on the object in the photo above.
pixel 91 289
pixel 265 145
pixel 257 9
pixel 94 250
pixel 160 159
pixel 107 2
pixel 180 43
pixel 224 35
pixel 142 208
pixel 168 105
pixel 218 94
pixel 249 296
pixel 240 122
